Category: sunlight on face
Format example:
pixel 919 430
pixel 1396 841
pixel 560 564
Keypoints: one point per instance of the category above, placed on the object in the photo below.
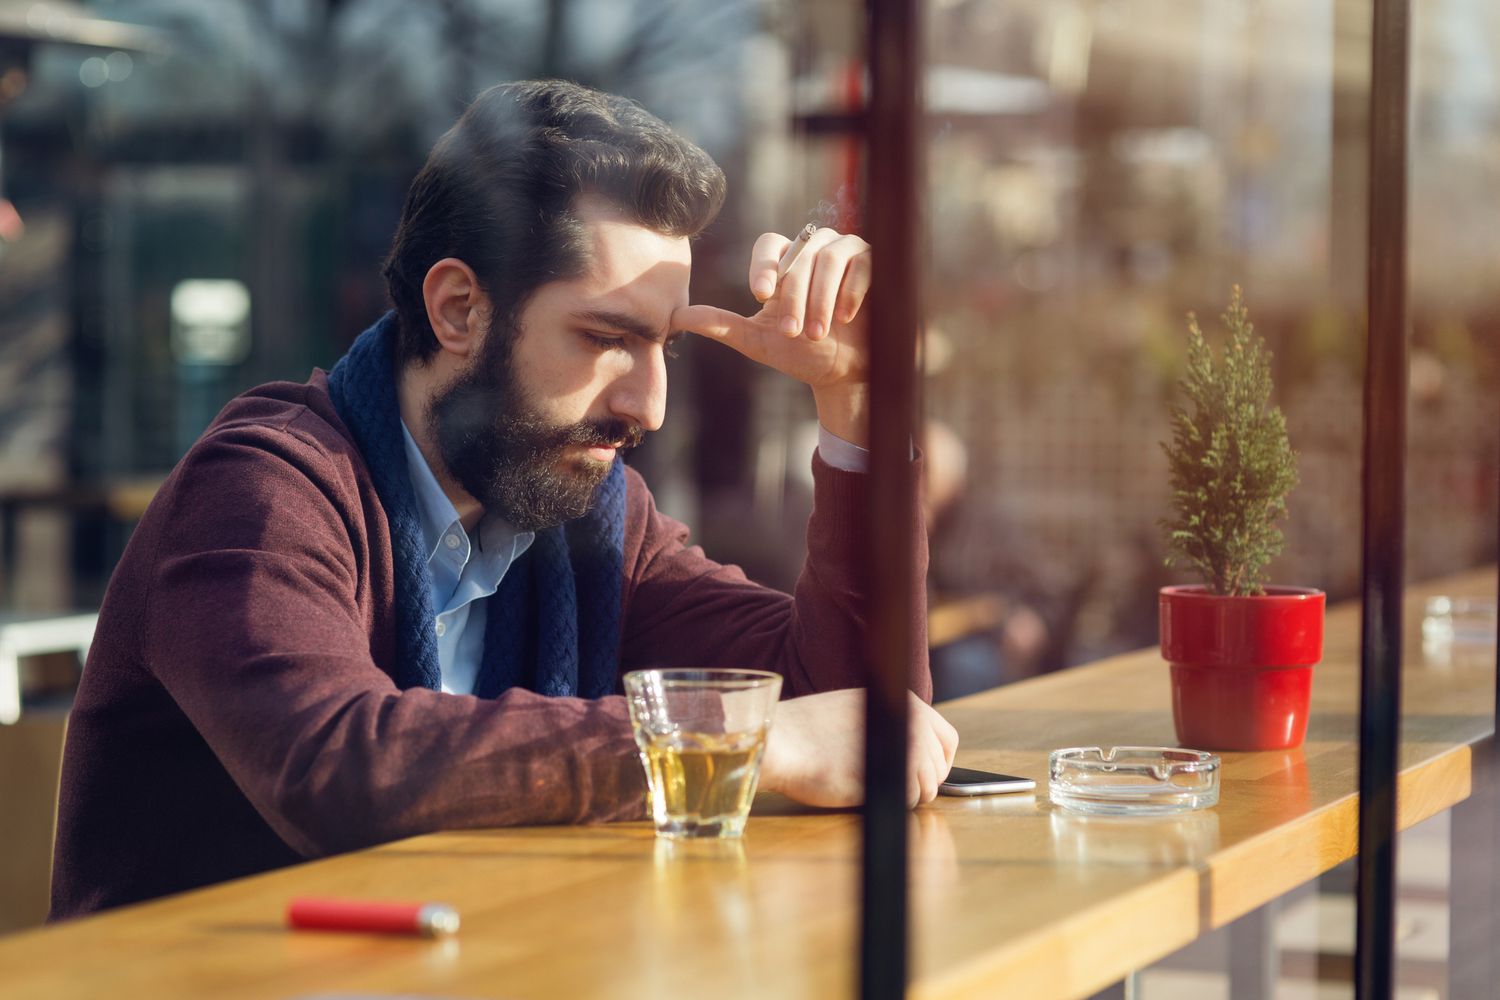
pixel 593 347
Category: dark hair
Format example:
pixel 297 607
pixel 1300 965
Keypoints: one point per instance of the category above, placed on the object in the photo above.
pixel 498 190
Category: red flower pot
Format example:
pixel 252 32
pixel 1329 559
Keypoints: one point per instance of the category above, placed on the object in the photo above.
pixel 1241 666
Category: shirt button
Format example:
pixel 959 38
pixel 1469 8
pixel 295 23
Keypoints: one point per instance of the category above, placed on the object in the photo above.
pixel 441 628
pixel 451 541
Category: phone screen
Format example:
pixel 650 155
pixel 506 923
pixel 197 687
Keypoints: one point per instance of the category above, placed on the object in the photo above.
pixel 967 781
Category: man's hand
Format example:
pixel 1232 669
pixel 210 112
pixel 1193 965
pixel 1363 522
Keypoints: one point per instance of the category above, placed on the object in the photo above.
pixel 815 753
pixel 809 325
pixel 806 326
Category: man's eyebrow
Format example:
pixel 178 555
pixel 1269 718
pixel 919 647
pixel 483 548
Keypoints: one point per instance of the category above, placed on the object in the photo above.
pixel 622 322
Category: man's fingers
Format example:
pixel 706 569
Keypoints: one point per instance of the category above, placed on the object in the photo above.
pixel 825 282
pixel 944 738
pixel 814 751
pixel 855 287
pixel 792 293
pixel 764 257
pixel 947 736
pixel 927 764
pixel 711 322
pixel 831 270
pixel 926 775
pixel 933 741
pixel 939 758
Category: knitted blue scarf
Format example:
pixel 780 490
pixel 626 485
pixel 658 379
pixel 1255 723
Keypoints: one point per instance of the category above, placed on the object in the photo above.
pixel 554 625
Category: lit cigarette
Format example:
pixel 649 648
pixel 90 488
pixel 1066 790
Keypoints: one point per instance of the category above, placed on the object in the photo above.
pixel 792 252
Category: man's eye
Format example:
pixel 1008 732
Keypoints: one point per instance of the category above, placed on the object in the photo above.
pixel 606 343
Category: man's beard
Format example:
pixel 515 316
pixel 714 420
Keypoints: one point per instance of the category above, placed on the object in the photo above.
pixel 506 455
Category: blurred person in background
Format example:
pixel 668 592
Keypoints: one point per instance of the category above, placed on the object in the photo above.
pixel 400 597
pixel 998 633
pixel 989 627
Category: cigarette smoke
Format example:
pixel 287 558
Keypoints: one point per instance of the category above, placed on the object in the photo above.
pixel 838 213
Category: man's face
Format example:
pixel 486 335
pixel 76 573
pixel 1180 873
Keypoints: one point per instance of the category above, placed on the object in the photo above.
pixel 532 426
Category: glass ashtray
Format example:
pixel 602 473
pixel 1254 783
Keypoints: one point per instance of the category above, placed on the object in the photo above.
pixel 1133 781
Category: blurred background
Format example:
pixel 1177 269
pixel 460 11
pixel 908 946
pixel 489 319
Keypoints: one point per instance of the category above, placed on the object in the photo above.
pixel 204 208
pixel 198 194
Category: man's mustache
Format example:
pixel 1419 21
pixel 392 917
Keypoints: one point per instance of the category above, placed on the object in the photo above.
pixel 471 410
pixel 610 433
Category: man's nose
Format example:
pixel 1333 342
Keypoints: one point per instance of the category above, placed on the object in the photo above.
pixel 640 396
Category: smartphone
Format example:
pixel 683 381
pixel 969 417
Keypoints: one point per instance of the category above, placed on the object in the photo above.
pixel 967 781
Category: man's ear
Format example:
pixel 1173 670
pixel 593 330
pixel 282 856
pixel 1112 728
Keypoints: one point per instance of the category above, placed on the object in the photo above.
pixel 457 307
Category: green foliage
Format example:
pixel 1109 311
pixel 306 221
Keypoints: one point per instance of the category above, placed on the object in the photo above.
pixel 1230 461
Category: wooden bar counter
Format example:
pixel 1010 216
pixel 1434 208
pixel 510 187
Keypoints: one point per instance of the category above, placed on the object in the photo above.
pixel 1010 897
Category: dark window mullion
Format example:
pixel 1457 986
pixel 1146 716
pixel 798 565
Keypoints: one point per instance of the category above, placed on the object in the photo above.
pixel 1384 476
pixel 891 206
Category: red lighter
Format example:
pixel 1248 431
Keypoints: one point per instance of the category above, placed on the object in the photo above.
pixel 372 916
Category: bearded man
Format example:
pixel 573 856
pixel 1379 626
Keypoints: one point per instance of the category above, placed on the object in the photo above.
pixel 400 597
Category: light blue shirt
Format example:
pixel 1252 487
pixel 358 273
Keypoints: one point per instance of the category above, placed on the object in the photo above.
pixel 464 570
pixel 842 454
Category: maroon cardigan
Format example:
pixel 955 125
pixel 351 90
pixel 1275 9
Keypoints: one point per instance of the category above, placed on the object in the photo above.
pixel 236 713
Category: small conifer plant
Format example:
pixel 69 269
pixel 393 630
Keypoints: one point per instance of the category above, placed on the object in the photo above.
pixel 1231 463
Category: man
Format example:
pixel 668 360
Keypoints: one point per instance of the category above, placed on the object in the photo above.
pixel 400 597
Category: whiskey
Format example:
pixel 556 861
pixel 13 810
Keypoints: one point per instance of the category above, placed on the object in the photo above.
pixel 701 734
pixel 701 783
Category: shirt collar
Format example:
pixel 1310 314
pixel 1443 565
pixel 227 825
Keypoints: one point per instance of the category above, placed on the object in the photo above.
pixel 439 516
pixel 434 509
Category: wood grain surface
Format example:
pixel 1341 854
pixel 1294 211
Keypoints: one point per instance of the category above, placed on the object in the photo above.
pixel 1010 897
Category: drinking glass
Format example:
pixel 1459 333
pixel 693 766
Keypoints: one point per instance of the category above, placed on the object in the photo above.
pixel 702 734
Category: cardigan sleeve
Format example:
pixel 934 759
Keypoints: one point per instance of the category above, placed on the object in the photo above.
pixel 683 609
pixel 258 623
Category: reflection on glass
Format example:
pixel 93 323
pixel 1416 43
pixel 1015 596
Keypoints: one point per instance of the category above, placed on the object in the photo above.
pixel 702 888
pixel 1463 621
pixel 1155 842
pixel 932 851
pixel 442 955
pixel 1458 633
